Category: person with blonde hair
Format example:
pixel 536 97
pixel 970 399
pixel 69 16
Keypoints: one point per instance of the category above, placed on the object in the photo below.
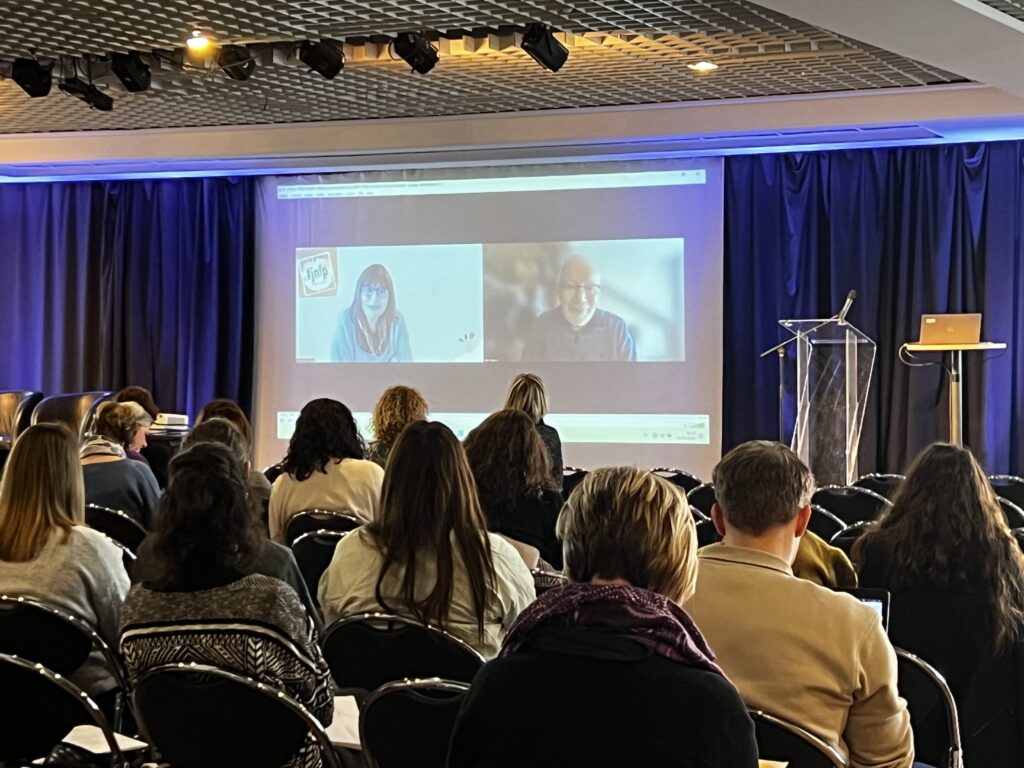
pixel 111 478
pixel 397 408
pixel 46 550
pixel 527 394
pixel 627 678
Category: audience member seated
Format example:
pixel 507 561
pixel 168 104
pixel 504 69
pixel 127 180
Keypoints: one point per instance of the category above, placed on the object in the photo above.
pixel 111 479
pixel 139 395
pixel 274 560
pixel 325 468
pixel 609 671
pixel 428 555
pixel 823 564
pixel 956 579
pixel 814 657
pixel 527 394
pixel 230 410
pixel 46 550
pixel 519 497
pixel 206 605
pixel 397 408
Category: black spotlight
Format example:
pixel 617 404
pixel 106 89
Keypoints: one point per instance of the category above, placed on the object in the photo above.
pixel 88 93
pixel 236 61
pixel 131 70
pixel 323 58
pixel 415 50
pixel 33 77
pixel 540 43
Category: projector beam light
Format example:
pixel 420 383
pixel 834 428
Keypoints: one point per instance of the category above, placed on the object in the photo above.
pixel 703 67
pixel 539 41
pixel 198 43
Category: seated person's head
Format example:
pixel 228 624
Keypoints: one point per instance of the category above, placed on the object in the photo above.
pixel 762 489
pixel 139 395
pixel 398 407
pixel 223 432
pixel 325 431
pixel 508 458
pixel 123 423
pixel 207 533
pixel 230 410
pixel 626 524
pixel 527 394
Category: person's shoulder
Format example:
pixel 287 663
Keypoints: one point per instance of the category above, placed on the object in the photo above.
pixel 85 538
pixel 361 467
pixel 506 557
pixel 609 319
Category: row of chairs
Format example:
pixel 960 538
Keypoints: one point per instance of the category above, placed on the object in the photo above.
pixel 21 408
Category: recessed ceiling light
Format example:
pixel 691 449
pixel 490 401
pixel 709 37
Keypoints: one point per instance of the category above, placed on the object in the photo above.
pixel 198 42
pixel 703 66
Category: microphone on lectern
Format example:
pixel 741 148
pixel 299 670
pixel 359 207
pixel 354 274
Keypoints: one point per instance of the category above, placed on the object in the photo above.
pixel 846 306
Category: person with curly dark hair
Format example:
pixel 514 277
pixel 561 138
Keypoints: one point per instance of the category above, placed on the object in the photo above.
pixel 513 475
pixel 325 468
pixel 956 578
pixel 111 478
pixel 397 408
pixel 205 603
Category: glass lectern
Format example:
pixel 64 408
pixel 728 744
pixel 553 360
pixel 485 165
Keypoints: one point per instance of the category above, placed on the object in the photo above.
pixel 829 367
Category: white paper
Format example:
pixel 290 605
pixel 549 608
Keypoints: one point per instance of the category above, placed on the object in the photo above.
pixel 90 738
pixel 344 729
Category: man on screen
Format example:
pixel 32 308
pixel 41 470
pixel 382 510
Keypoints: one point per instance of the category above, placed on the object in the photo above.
pixel 576 330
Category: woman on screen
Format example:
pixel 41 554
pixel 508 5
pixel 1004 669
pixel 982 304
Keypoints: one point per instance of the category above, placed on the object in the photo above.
pixel 372 330
pixel 956 578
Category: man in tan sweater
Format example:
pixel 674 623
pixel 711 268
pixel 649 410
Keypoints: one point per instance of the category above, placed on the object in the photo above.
pixel 811 656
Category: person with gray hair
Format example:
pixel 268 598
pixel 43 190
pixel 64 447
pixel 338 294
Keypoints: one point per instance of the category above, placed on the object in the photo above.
pixel 576 330
pixel 814 657
pixel 626 676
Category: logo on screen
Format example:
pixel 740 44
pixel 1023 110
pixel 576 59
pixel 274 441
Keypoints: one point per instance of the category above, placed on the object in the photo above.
pixel 318 274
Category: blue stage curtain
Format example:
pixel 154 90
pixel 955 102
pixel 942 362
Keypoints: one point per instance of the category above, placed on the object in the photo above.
pixel 913 230
pixel 130 282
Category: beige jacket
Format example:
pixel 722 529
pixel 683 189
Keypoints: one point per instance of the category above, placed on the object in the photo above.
pixel 811 656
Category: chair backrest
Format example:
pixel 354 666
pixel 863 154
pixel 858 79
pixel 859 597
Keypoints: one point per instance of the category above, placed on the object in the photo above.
pixel 788 743
pixel 851 504
pixel 309 520
pixel 933 713
pixel 884 484
pixel 366 651
pixel 41 707
pixel 845 539
pixel 115 524
pixel 707 533
pixel 273 472
pixel 545 580
pixel 1009 487
pixel 824 524
pixel 683 479
pixel 409 723
pixel 571 477
pixel 313 552
pixel 76 410
pixel 702 497
pixel 1012 512
pixel 16 408
pixel 199 716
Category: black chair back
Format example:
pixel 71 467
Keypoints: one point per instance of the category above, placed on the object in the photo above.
pixel 366 651
pixel 850 503
pixel 115 524
pixel 706 533
pixel 76 410
pixel 824 524
pixel 545 580
pixel 1009 487
pixel 45 635
pixel 313 552
pixel 41 708
pixel 684 480
pixel 702 497
pixel 273 472
pixel 933 713
pixel 846 538
pixel 312 520
pixel 881 483
pixel 1012 512
pixel 16 408
pixel 422 711
pixel 571 477
pixel 788 743
pixel 199 716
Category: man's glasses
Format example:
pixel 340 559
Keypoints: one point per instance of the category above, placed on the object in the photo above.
pixel 589 289
pixel 369 291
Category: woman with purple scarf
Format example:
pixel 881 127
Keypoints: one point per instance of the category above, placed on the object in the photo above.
pixel 609 670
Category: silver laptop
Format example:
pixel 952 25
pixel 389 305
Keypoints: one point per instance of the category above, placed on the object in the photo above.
pixel 950 329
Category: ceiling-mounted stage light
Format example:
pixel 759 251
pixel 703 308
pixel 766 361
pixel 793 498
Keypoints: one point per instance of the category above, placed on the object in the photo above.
pixel 88 93
pixel 416 50
pixel 236 61
pixel 198 43
pixel 33 78
pixel 539 41
pixel 323 58
pixel 132 71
